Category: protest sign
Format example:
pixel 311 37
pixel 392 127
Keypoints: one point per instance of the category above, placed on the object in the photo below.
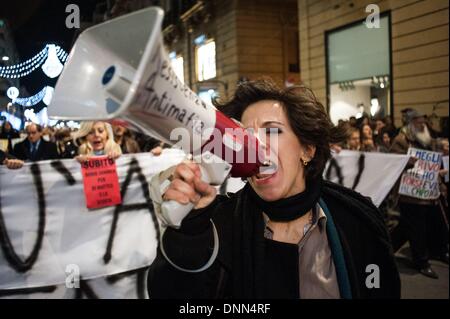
pixel 422 181
pixel 101 184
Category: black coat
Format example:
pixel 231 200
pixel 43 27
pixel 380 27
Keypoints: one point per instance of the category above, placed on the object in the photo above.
pixel 360 227
pixel 45 151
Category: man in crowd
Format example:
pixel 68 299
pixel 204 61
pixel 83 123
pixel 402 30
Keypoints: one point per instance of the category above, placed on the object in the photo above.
pixel 420 219
pixel 34 148
pixel 414 133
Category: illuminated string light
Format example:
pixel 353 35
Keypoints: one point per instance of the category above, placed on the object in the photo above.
pixel 52 66
pixel 50 56
pixel 12 92
pixel 51 60
pixel 46 93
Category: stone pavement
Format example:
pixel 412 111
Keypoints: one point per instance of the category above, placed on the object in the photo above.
pixel 416 285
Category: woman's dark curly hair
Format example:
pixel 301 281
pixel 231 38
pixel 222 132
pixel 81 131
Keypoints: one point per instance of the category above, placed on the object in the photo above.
pixel 306 115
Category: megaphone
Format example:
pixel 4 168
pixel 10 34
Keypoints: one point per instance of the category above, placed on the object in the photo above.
pixel 119 70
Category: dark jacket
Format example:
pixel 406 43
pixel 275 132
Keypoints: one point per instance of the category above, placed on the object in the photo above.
pixel 2 157
pixel 45 151
pixel 359 231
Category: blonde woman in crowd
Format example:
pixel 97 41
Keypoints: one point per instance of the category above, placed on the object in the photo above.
pixel 96 139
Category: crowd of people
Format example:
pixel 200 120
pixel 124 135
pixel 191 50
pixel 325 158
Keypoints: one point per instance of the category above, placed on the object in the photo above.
pixel 423 222
pixel 91 139
pixel 379 134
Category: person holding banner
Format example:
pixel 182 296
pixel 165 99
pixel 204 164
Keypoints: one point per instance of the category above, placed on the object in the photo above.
pixel 286 234
pixel 9 161
pixel 422 220
pixel 34 148
pixel 96 139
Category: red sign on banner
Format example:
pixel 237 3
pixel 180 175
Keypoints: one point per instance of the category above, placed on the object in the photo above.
pixel 101 183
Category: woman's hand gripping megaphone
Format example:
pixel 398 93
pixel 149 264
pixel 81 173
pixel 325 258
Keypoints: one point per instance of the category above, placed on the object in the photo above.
pixel 187 187
pixel 190 184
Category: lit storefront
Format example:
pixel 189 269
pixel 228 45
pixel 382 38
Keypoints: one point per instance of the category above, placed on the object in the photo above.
pixel 354 68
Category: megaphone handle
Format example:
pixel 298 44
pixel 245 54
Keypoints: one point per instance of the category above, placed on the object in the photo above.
pixel 175 212
pixel 214 173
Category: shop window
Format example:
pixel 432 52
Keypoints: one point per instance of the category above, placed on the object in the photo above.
pixel 358 71
pixel 205 60
pixel 177 62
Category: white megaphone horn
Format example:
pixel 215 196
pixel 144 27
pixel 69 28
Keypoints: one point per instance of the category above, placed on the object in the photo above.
pixel 108 66
pixel 119 70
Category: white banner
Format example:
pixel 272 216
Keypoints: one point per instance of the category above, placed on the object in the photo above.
pixel 371 174
pixel 50 240
pixel 422 181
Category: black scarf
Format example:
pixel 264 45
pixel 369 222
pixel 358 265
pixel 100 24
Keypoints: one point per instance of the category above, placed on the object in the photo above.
pixel 291 208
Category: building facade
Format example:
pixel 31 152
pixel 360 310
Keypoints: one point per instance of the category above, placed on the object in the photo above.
pixel 415 37
pixel 359 56
pixel 250 39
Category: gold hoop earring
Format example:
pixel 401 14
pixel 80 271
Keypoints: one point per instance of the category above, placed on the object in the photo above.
pixel 305 163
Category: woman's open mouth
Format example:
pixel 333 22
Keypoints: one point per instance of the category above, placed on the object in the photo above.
pixel 260 178
pixel 97 144
pixel 266 173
